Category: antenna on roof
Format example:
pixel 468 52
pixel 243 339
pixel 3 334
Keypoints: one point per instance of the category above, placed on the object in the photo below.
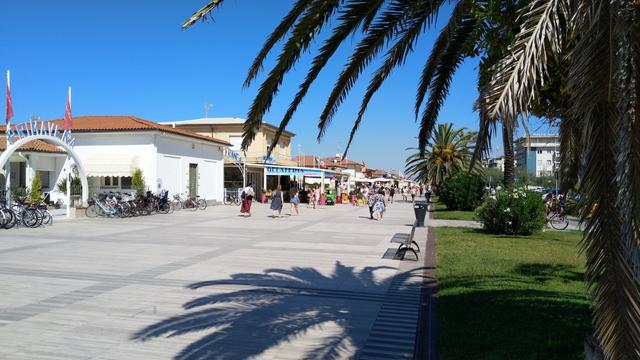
pixel 207 106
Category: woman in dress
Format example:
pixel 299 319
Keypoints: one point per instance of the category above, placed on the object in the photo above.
pixel 277 199
pixel 247 199
pixel 379 206
pixel 294 201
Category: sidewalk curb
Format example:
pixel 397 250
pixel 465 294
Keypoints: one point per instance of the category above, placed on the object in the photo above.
pixel 425 341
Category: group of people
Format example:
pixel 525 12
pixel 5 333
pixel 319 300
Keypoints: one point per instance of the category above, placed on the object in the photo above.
pixel 375 196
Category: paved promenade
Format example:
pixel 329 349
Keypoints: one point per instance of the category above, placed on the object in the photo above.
pixel 209 285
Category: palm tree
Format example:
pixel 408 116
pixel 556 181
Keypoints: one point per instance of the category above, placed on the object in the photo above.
pixel 447 153
pixel 395 25
pixel 600 127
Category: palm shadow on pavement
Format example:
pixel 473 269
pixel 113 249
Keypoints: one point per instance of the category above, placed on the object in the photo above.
pixel 250 313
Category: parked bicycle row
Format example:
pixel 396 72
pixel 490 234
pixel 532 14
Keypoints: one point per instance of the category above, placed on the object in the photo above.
pixel 116 204
pixel 24 213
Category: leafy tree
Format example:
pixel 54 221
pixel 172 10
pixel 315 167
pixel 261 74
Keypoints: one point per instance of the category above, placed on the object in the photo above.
pixel 463 191
pixel 496 176
pixel 447 153
pixel 137 181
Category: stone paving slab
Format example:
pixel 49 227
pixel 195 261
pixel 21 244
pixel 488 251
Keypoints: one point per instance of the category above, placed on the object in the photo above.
pixel 211 284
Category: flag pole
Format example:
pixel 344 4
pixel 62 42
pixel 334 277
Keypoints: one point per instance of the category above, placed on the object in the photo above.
pixel 67 126
pixel 7 169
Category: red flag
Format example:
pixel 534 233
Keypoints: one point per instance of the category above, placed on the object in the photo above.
pixel 67 113
pixel 9 106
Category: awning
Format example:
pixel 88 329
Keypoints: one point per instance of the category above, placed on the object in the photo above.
pixel 111 164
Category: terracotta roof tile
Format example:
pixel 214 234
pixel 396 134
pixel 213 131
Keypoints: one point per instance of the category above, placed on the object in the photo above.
pixel 116 123
pixel 35 145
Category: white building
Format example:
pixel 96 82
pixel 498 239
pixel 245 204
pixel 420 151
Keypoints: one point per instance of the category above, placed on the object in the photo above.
pixel 112 147
pixel 495 162
pixel 536 154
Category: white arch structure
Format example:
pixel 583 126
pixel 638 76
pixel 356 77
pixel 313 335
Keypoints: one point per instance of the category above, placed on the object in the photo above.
pixel 6 155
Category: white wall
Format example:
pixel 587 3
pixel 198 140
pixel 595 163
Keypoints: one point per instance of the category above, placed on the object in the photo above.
pixel 174 156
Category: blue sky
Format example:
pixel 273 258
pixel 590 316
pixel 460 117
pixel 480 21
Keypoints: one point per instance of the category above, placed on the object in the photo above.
pixel 131 57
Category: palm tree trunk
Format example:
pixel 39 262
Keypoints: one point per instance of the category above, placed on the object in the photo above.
pixel 509 159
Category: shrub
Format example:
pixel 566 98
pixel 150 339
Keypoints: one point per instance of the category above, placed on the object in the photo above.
pixel 463 191
pixel 36 186
pixel 513 212
pixel 137 181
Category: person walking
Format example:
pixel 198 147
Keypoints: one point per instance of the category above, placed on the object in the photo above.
pixel 316 197
pixel 414 192
pixel 371 200
pixel 247 199
pixel 294 202
pixel 379 205
pixel 277 199
pixel 405 193
pixel 392 193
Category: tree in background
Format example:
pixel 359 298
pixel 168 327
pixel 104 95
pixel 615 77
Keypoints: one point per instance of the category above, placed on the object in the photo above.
pixel 447 153
pixel 137 181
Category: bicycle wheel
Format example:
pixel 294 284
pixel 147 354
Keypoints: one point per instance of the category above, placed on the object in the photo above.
pixel 559 222
pixel 202 204
pixel 92 211
pixel 30 218
pixel 237 201
pixel 47 218
pixel 12 218
pixel 3 218
pixel 227 200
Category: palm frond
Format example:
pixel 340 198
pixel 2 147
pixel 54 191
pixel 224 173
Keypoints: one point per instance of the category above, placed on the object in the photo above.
pixel 516 76
pixel 487 127
pixel 395 56
pixel 626 79
pixel 202 13
pixel 441 44
pixel 379 33
pixel 615 291
pixel 570 148
pixel 311 22
pixel 280 32
pixel 439 87
pixel 353 13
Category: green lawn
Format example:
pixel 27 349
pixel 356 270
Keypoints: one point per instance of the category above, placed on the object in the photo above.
pixel 505 297
pixel 441 213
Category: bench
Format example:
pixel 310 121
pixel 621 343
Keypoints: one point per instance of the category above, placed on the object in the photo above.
pixel 406 243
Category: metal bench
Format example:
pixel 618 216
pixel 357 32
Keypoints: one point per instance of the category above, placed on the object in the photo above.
pixel 406 243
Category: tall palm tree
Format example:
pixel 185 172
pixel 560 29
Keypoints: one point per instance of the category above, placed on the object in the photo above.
pixel 394 25
pixel 601 128
pixel 447 153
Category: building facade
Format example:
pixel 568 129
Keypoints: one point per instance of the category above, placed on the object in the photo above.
pixel 262 171
pixel 495 162
pixel 112 147
pixel 537 155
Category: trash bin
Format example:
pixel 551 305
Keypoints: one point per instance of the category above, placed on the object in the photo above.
pixel 420 209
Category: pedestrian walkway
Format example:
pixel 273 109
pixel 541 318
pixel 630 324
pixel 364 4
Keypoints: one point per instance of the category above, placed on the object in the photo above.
pixel 212 285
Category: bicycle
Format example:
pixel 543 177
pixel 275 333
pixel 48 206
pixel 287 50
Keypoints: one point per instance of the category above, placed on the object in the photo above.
pixel 558 220
pixel 231 197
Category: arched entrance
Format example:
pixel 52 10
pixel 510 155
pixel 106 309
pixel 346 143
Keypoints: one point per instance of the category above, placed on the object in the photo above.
pixel 53 140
